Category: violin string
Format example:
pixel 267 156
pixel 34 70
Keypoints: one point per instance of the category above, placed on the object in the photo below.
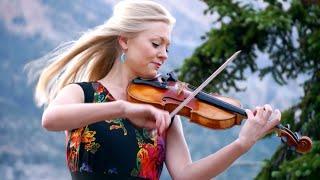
pixel 193 88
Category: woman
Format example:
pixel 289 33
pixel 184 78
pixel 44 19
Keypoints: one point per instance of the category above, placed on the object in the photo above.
pixel 108 137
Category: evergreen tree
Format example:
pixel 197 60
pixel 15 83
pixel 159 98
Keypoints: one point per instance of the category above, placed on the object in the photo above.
pixel 291 38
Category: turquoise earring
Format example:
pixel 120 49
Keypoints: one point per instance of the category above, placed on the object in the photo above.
pixel 123 57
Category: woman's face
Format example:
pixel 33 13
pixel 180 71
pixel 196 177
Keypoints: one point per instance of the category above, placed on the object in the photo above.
pixel 147 51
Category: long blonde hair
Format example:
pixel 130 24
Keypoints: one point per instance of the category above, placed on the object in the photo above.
pixel 91 57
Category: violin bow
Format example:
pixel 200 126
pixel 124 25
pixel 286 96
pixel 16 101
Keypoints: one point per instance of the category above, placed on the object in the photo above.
pixel 301 144
pixel 204 84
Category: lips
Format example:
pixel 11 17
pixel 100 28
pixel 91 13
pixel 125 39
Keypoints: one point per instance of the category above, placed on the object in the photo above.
pixel 157 64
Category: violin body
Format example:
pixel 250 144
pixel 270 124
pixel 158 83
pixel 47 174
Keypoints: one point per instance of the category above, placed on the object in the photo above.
pixel 208 110
pixel 170 96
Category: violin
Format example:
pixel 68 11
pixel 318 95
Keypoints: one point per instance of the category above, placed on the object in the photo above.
pixel 208 110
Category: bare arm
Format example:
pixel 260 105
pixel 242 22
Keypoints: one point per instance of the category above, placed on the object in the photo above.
pixel 178 158
pixel 67 110
pixel 179 162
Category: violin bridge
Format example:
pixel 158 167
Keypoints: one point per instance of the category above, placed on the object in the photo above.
pixel 181 87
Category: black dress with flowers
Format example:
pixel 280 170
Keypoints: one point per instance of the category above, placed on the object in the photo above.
pixel 114 148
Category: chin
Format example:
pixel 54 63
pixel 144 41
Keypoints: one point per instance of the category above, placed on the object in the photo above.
pixel 149 75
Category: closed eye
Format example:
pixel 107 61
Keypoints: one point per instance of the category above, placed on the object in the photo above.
pixel 155 45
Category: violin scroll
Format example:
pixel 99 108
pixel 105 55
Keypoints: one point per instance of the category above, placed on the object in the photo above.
pixel 304 144
pixel 294 140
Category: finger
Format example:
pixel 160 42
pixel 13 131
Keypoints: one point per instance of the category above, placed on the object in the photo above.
pixel 259 113
pixel 165 115
pixel 164 124
pixel 148 123
pixel 163 121
pixel 168 119
pixel 160 127
pixel 157 119
pixel 275 116
pixel 271 124
pixel 267 112
pixel 250 114
pixel 268 109
pixel 150 120
pixel 158 122
pixel 256 109
pixel 278 114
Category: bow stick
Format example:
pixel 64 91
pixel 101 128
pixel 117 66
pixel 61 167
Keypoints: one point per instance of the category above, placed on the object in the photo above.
pixel 204 84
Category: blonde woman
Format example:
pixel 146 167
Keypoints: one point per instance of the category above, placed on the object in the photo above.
pixel 84 88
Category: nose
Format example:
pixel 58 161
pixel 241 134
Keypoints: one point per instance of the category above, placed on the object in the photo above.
pixel 163 54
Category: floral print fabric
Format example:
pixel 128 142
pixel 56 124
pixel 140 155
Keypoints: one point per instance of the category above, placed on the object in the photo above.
pixel 114 146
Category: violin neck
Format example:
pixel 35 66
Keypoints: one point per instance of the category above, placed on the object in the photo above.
pixel 221 104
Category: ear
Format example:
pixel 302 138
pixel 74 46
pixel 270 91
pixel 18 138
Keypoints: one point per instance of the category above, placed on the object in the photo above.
pixel 123 42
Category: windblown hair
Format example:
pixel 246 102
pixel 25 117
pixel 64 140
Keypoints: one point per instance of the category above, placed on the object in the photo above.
pixel 91 57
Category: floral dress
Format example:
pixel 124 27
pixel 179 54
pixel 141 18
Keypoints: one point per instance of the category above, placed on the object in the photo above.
pixel 114 147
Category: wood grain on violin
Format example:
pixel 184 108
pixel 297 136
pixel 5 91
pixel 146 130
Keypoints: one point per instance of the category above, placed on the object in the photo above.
pixel 209 110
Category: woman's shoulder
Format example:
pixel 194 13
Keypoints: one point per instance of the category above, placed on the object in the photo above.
pixel 88 89
pixel 71 93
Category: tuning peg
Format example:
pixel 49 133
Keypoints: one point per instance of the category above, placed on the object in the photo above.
pixel 288 126
pixel 284 139
pixel 298 136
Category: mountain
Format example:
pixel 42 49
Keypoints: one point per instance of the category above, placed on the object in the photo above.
pixel 31 28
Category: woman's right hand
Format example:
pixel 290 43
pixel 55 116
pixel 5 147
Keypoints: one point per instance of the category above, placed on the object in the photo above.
pixel 147 116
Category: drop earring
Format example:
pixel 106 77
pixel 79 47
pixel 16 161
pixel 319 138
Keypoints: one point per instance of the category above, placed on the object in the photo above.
pixel 123 57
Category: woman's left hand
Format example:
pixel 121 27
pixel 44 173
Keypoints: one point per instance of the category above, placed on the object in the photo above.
pixel 258 125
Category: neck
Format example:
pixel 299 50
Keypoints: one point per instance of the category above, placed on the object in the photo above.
pixel 119 77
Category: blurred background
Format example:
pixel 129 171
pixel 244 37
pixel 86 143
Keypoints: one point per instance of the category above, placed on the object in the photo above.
pixel 30 29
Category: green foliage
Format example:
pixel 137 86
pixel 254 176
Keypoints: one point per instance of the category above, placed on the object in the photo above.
pixel 291 38
pixel 310 105
pixel 302 167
